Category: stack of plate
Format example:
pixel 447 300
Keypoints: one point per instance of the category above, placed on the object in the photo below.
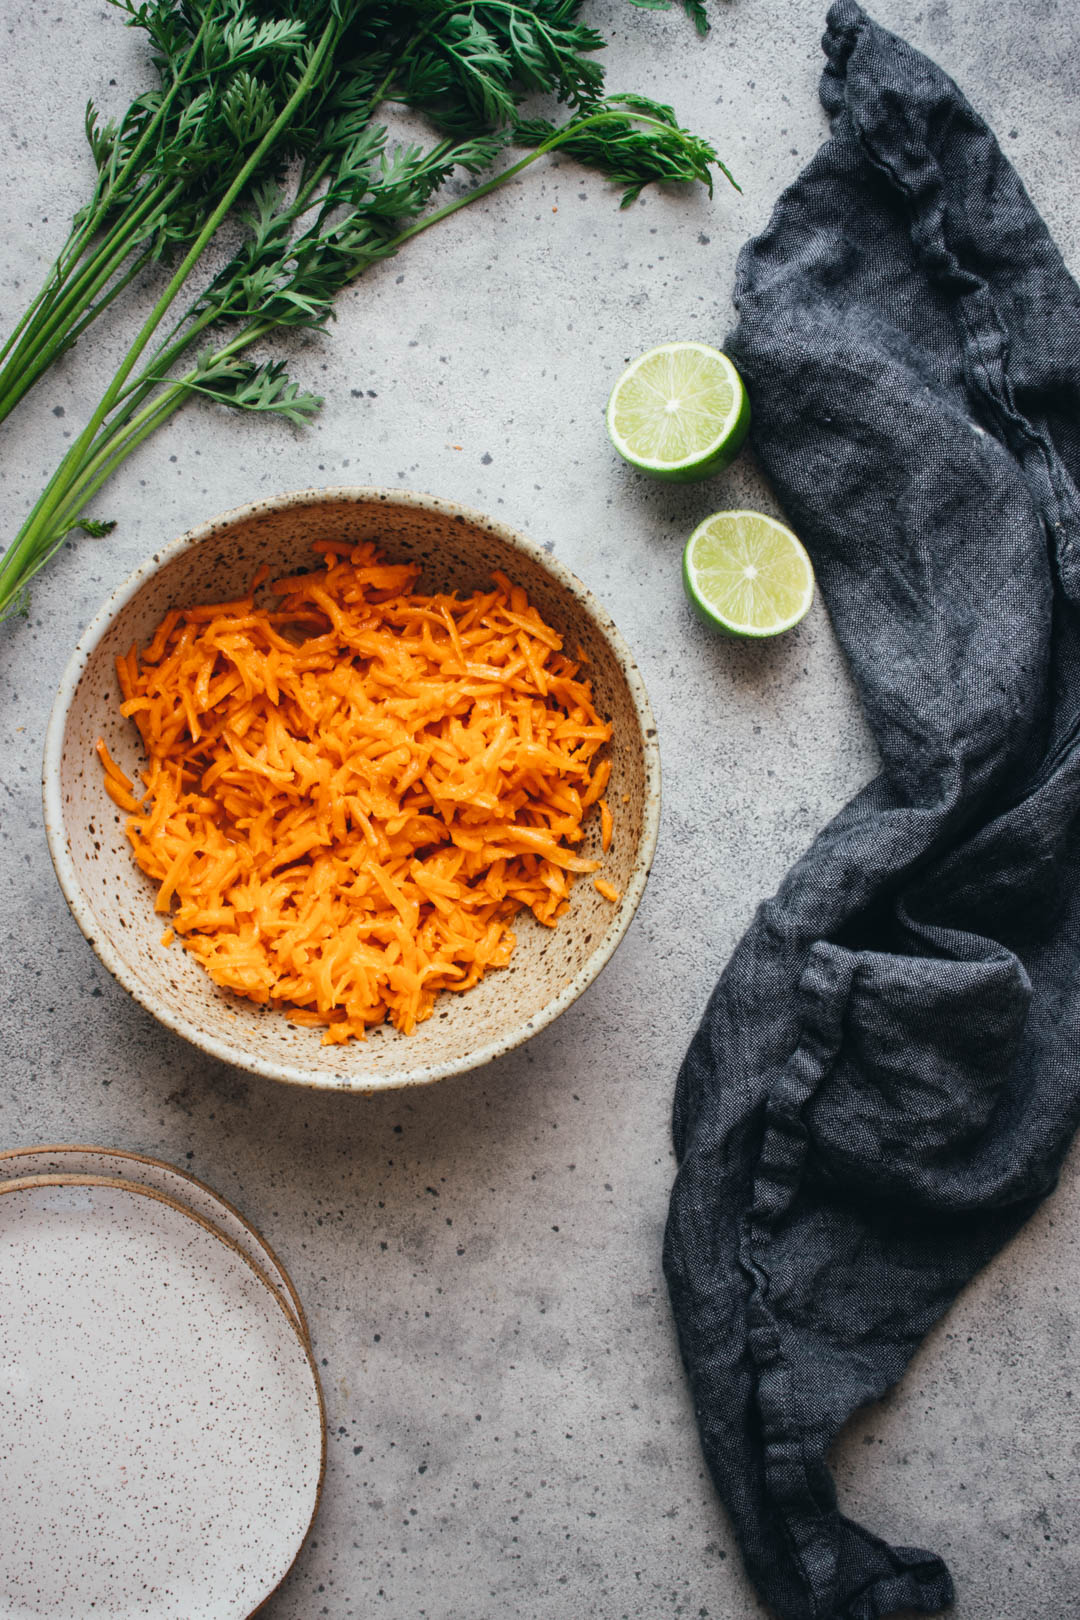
pixel 161 1420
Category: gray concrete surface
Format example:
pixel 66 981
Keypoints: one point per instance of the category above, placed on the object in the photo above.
pixel 510 1434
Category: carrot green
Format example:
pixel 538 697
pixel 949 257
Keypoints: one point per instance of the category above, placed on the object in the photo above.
pixel 251 91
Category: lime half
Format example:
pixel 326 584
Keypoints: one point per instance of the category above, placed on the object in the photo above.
pixel 747 574
pixel 679 412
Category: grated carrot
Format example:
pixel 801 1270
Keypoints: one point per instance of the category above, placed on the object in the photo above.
pixel 605 826
pixel 608 890
pixel 350 796
pixel 117 785
pixel 112 769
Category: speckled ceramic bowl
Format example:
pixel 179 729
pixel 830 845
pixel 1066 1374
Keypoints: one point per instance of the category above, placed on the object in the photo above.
pixel 112 901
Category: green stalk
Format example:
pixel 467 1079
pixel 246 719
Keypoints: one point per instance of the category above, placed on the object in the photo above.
pixel 111 250
pixel 68 258
pixel 118 181
pixel 67 517
pixel 113 452
pixel 138 421
pixel 32 308
pixel 115 449
pixel 106 299
pixel 132 407
pixel 54 279
pixel 35 539
pixel 500 179
pixel 194 253
pixel 165 356
pixel 38 349
pixel 32 354
pixel 161 308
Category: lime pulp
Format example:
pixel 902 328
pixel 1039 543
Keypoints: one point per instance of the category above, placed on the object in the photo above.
pixel 747 574
pixel 679 412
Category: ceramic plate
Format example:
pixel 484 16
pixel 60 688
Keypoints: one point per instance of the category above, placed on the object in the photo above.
pixel 166 1178
pixel 161 1422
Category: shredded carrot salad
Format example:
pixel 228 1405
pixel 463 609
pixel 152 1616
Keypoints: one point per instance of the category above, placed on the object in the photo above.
pixel 350 797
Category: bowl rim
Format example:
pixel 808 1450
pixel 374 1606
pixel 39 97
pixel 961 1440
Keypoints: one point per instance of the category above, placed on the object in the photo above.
pixel 214 1046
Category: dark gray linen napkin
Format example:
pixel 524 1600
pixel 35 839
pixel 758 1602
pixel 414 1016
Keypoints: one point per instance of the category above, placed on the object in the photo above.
pixel 887 1076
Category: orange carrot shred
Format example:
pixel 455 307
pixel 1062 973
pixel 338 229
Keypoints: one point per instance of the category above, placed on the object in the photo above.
pixel 608 890
pixel 350 794
pixel 599 782
pixel 119 796
pixel 605 826
pixel 112 769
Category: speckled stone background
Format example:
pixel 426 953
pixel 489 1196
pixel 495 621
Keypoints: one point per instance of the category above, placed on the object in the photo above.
pixel 510 1433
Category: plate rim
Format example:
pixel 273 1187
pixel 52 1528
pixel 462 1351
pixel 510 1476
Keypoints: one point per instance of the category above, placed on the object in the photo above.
pixel 185 1175
pixel 71 1179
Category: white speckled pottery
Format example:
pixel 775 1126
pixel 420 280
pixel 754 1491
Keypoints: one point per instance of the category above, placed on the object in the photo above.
pixel 112 901
pixel 161 1421
pixel 69 1159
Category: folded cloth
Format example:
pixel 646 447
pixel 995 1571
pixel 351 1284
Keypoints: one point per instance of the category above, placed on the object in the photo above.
pixel 887 1076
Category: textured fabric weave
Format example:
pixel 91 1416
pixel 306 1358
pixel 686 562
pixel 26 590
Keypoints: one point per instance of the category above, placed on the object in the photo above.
pixel 887 1076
